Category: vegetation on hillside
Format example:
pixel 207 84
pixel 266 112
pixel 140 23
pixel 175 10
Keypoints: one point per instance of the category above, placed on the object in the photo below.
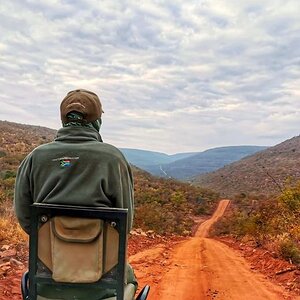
pixel 165 206
pixel 273 223
pixel 20 139
pixel 168 206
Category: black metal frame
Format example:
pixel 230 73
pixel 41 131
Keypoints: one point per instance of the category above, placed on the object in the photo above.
pixel 144 293
pixel 40 210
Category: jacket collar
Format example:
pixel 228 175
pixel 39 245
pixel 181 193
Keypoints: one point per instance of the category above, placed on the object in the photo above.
pixel 75 134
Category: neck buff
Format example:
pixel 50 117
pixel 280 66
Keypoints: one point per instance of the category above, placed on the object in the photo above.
pixel 75 119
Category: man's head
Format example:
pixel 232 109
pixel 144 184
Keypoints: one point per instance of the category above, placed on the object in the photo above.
pixel 84 102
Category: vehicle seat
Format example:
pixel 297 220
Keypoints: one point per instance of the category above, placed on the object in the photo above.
pixel 74 250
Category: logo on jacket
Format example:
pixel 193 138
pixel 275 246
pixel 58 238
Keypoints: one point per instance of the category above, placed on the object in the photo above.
pixel 65 162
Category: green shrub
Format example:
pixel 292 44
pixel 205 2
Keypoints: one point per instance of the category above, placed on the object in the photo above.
pixel 163 219
pixel 222 227
pixel 202 210
pixel 8 174
pixel 290 199
pixel 289 250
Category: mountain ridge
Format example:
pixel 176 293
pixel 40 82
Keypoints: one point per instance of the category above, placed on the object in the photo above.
pixel 179 165
pixel 266 172
pixel 144 158
pixel 203 162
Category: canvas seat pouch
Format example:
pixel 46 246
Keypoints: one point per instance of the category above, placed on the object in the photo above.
pixel 78 250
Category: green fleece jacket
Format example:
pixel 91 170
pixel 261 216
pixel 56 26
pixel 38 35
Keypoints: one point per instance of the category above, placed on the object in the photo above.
pixel 75 169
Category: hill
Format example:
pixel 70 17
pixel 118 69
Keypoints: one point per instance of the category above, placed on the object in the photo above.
pixel 16 140
pixel 265 172
pixel 20 138
pixel 203 162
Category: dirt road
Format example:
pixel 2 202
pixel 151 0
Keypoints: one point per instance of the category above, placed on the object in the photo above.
pixel 203 268
pixel 196 268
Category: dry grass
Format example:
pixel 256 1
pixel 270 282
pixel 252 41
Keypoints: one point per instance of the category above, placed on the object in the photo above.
pixel 10 230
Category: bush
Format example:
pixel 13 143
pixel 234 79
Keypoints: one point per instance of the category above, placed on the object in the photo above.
pixel 163 219
pixel 290 251
pixel 222 227
pixel 290 199
pixel 8 174
pixel 273 222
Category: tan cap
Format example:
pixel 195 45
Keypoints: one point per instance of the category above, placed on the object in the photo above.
pixel 85 102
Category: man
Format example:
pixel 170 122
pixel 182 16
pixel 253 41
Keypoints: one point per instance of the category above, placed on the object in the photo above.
pixel 77 168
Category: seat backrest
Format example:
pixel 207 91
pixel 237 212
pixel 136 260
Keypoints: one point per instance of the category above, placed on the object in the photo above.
pixel 80 246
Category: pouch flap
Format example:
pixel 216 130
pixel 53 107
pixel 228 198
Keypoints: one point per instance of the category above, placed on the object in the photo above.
pixel 77 230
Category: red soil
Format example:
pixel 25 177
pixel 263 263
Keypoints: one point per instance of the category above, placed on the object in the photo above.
pixel 192 268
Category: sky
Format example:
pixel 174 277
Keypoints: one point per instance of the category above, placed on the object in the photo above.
pixel 172 76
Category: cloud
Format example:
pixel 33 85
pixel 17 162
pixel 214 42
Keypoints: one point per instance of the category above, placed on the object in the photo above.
pixel 178 76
